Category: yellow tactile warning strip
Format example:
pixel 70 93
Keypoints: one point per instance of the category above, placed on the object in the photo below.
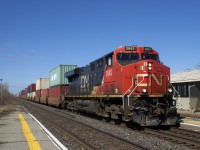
pixel 32 142
pixel 192 121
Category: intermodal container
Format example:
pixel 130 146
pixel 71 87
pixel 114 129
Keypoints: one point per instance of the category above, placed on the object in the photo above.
pixel 29 87
pixel 45 93
pixel 57 94
pixel 28 94
pixel 32 87
pixel 44 96
pixel 38 93
pixel 58 91
pixel 26 91
pixel 22 92
pixel 42 83
pixel 32 94
pixel 56 76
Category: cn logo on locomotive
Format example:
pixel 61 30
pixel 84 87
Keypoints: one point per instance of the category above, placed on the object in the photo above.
pixel 84 81
pixel 140 80
pixel 108 72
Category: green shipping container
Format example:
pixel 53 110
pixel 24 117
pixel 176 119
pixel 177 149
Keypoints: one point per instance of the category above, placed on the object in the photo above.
pixel 56 76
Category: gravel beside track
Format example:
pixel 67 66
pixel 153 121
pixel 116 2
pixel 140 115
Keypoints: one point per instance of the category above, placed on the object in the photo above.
pixel 98 141
pixel 193 135
pixel 178 136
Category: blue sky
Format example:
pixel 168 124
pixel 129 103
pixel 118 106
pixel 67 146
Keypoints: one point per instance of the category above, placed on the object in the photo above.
pixel 38 35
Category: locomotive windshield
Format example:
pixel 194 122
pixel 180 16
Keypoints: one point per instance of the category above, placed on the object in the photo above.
pixel 150 56
pixel 127 58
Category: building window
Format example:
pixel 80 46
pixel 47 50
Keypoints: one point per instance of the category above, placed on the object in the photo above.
pixel 182 89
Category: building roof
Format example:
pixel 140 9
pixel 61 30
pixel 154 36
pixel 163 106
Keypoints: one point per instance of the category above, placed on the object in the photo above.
pixel 188 76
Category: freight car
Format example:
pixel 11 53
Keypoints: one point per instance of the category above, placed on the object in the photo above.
pixel 130 84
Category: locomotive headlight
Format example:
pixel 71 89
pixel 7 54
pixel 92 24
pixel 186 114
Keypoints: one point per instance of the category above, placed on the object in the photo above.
pixel 149 66
pixel 144 90
pixel 170 90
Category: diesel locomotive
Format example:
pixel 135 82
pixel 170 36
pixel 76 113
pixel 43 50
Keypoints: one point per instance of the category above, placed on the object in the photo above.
pixel 129 84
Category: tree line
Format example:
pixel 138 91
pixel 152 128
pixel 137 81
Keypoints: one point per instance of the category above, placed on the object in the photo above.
pixel 4 93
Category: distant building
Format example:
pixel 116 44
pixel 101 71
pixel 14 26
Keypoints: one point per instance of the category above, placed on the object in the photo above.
pixel 187 85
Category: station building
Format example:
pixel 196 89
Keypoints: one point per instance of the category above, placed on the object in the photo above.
pixel 187 89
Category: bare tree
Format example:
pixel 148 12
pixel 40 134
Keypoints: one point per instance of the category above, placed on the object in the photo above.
pixel 4 92
pixel 188 70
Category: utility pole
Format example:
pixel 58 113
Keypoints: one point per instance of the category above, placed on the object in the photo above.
pixel 1 88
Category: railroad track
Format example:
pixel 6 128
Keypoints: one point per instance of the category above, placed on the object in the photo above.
pixel 176 135
pixel 180 136
pixel 87 136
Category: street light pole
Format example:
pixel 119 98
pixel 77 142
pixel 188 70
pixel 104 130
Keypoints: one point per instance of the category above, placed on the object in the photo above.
pixel 1 88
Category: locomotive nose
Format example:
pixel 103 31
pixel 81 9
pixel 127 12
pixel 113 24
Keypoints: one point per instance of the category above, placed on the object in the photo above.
pixel 152 78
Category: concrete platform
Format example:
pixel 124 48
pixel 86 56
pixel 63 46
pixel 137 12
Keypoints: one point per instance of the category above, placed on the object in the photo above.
pixel 20 131
pixel 190 124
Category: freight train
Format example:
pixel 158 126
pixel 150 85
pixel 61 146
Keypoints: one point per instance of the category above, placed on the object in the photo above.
pixel 129 84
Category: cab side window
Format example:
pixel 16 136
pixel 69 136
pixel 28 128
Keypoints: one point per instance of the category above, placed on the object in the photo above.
pixel 109 61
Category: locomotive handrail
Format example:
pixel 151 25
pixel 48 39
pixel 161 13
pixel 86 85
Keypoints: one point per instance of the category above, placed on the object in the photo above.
pixel 127 91
pixel 135 89
pixel 129 88
pixel 178 95
pixel 131 91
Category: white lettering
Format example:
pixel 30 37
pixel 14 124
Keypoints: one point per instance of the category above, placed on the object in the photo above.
pixel 84 81
pixel 108 72
pixel 145 63
pixel 54 77
pixel 140 78
pixel 155 78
